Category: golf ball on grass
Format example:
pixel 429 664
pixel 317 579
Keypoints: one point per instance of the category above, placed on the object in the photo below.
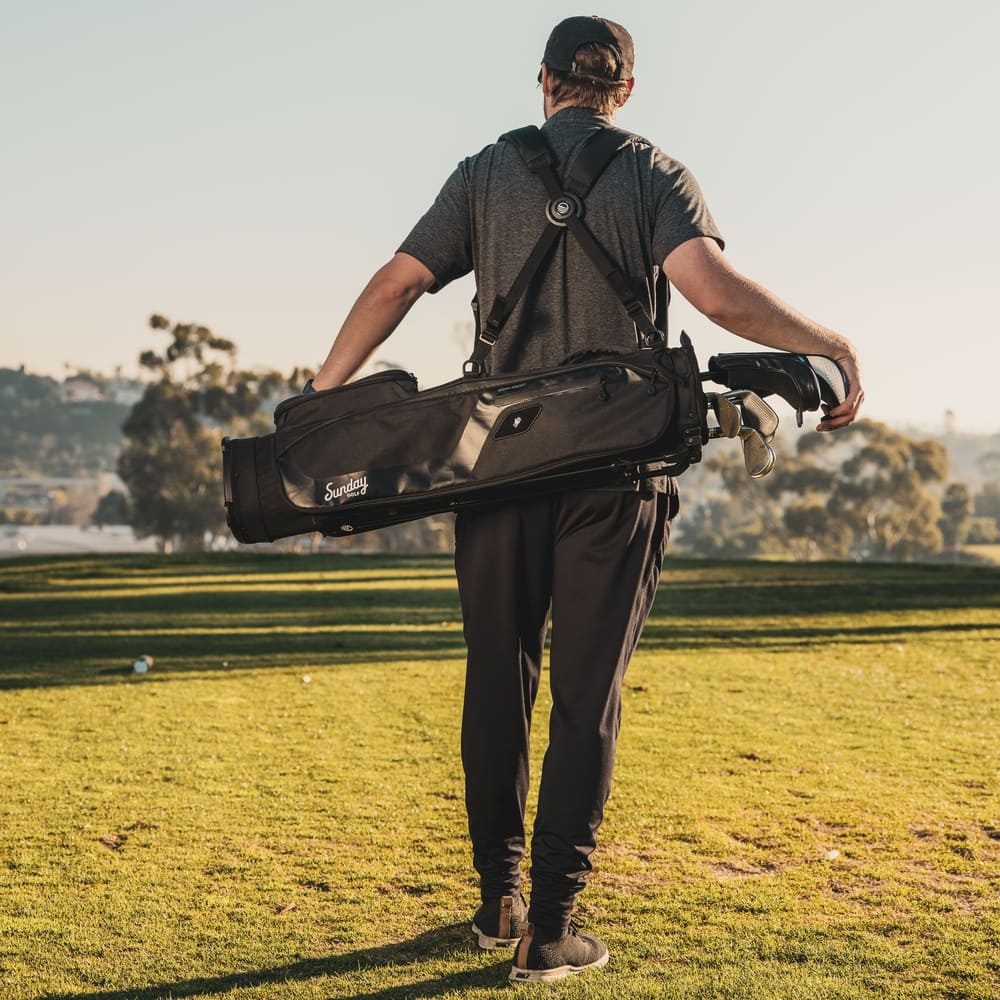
pixel 142 664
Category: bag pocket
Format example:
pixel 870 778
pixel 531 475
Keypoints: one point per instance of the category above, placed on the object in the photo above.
pixel 329 404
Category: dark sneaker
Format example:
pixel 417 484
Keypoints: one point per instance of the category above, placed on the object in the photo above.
pixel 500 922
pixel 541 961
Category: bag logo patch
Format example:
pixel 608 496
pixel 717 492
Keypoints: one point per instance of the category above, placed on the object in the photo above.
pixel 354 487
pixel 518 421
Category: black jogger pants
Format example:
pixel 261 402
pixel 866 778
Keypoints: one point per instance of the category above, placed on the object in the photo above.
pixel 594 559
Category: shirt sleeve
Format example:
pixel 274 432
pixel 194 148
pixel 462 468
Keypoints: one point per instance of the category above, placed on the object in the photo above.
pixel 442 239
pixel 681 211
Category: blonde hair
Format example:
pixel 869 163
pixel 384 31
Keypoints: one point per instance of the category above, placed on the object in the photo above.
pixel 580 89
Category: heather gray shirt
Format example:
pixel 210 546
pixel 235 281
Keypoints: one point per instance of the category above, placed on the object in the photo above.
pixel 491 212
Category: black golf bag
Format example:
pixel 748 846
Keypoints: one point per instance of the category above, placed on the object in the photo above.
pixel 377 452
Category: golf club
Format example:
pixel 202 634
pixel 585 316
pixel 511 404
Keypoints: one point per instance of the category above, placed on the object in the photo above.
pixel 726 413
pixel 756 413
pixel 758 455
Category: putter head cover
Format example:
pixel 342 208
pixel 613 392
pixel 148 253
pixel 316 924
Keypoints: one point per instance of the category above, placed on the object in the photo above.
pixel 802 382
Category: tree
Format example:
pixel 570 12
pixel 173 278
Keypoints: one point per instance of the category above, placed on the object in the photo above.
pixel 988 502
pixel 812 530
pixel 732 522
pixel 862 493
pixel 981 531
pixel 172 457
pixel 956 507
pixel 112 508
pixel 881 493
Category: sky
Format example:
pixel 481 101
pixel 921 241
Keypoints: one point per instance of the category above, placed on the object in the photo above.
pixel 249 165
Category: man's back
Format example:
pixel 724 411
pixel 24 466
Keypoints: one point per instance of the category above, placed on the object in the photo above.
pixel 491 212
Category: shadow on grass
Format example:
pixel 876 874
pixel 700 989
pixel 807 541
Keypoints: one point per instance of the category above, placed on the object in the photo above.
pixel 51 637
pixel 177 657
pixel 438 943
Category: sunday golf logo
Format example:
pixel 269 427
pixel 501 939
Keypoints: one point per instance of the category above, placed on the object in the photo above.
pixel 356 486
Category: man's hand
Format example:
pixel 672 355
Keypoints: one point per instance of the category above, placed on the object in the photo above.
pixel 700 272
pixel 846 412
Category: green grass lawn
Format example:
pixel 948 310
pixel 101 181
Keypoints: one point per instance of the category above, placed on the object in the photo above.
pixel 806 801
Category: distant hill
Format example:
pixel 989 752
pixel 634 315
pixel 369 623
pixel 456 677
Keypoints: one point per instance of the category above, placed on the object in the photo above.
pixel 56 428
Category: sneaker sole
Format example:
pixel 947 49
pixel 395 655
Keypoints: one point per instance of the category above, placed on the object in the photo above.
pixel 488 943
pixel 560 972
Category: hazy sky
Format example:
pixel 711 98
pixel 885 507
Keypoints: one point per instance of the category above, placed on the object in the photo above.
pixel 248 165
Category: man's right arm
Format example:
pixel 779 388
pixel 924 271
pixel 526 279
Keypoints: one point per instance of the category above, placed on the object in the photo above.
pixel 700 272
pixel 378 311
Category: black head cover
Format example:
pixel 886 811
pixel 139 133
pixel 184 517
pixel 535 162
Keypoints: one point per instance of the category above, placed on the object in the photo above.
pixel 802 382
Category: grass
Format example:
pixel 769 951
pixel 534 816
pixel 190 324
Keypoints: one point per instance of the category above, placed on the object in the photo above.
pixel 806 801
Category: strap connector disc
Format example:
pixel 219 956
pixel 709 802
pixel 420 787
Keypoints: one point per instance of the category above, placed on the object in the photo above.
pixel 562 208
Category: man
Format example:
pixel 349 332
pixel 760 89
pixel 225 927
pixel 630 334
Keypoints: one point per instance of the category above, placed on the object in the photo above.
pixel 591 559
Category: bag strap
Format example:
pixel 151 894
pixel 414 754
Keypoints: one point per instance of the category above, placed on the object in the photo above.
pixel 661 298
pixel 564 211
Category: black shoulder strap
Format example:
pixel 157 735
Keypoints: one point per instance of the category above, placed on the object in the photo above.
pixel 594 155
pixel 537 155
pixel 563 212
pixel 662 300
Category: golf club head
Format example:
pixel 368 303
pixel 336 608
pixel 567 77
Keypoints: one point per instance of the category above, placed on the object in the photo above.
pixel 726 413
pixel 758 455
pixel 832 380
pixel 756 413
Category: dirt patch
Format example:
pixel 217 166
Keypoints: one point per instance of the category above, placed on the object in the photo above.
pixel 741 870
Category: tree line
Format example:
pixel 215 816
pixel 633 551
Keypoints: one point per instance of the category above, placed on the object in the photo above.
pixel 867 492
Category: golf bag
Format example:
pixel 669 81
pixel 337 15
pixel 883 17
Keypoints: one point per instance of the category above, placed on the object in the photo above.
pixel 378 452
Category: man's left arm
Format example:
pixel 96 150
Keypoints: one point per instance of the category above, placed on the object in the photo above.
pixel 701 273
pixel 380 308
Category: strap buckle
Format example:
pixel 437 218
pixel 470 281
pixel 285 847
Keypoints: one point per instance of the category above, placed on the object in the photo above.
pixel 646 334
pixel 635 309
pixel 562 208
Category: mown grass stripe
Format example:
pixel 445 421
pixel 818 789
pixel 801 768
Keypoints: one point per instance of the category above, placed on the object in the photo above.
pixel 806 804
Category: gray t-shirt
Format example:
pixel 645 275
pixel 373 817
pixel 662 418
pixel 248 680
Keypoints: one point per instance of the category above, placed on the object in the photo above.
pixel 491 212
